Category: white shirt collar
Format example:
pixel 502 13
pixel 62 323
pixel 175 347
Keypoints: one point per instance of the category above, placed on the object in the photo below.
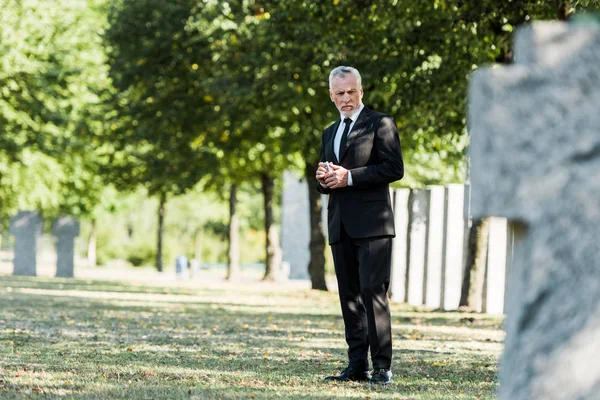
pixel 354 116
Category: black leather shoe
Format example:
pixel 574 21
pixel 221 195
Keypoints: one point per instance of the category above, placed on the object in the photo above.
pixel 350 374
pixel 381 376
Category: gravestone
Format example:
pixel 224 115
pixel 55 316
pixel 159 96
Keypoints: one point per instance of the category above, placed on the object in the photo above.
pixel 181 266
pixel 435 243
pixel 295 225
pixel 493 302
pixel 66 229
pixel 417 253
pixel 454 243
pixel 194 268
pixel 26 226
pixel 535 156
pixel 398 277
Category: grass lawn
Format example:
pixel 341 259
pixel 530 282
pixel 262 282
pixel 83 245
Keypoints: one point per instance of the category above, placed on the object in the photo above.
pixel 109 339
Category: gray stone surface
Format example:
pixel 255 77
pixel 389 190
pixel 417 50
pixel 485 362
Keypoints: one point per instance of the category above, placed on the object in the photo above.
pixel 400 246
pixel 496 267
pixel 535 156
pixel 295 225
pixel 65 229
pixel 452 256
pixel 194 268
pixel 417 237
pixel 26 226
pixel 435 243
pixel 181 266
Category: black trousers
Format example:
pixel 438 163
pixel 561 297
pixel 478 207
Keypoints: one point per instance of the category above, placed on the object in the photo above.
pixel 363 267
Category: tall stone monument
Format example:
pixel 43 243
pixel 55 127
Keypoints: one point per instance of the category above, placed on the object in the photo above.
pixel 398 280
pixel 26 226
pixel 535 156
pixel 295 225
pixel 435 246
pixel 455 217
pixel 66 229
pixel 417 246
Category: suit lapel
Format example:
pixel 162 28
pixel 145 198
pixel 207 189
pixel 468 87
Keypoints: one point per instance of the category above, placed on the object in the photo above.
pixel 356 130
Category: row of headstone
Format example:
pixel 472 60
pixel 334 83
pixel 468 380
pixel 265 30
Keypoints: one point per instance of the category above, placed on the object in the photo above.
pixel 428 251
pixel 535 156
pixel 26 226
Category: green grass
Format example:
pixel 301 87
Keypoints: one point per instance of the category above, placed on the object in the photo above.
pixel 94 339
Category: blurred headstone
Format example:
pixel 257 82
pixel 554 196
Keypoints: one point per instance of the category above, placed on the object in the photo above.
pixel 418 204
pixel 435 244
pixel 181 266
pixel 535 156
pixel 493 303
pixel 295 225
pixel 66 229
pixel 194 268
pixel 454 243
pixel 398 279
pixel 26 226
pixel 285 269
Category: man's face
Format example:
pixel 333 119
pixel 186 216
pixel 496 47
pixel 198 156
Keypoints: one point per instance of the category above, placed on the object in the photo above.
pixel 346 94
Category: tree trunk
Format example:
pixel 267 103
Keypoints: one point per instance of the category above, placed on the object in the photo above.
pixel 272 259
pixel 472 288
pixel 564 10
pixel 91 248
pixel 233 252
pixel 316 264
pixel 161 222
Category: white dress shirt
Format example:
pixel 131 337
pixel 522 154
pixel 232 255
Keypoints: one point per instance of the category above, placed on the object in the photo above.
pixel 340 131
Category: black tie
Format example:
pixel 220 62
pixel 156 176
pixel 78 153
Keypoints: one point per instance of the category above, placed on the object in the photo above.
pixel 347 121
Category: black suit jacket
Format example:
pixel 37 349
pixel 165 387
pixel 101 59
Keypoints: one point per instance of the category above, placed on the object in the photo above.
pixel 374 157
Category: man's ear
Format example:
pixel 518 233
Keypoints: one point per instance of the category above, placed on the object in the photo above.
pixel 331 95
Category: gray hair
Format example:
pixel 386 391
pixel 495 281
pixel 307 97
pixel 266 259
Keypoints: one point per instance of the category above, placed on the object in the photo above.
pixel 341 71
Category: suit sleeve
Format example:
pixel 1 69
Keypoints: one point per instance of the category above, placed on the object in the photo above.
pixel 320 188
pixel 390 165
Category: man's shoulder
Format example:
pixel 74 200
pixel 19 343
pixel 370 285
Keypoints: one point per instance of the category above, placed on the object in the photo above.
pixel 375 115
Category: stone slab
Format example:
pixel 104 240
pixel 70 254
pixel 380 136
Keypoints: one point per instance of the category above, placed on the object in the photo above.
pixel 417 236
pixel 26 226
pixel 435 243
pixel 400 246
pixel 535 156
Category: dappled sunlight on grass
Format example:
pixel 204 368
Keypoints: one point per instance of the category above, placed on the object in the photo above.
pixel 106 339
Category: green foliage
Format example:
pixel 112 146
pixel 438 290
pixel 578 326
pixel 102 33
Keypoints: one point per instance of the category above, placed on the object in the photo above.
pixel 161 108
pixel 169 94
pixel 127 229
pixel 141 255
pixel 51 72
pixel 109 243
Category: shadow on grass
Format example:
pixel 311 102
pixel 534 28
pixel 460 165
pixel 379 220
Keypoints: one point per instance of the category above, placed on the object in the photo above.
pixel 52 283
pixel 113 347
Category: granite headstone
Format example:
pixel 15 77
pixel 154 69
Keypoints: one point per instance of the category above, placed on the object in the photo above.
pixel 65 229
pixel 26 226
pixel 535 156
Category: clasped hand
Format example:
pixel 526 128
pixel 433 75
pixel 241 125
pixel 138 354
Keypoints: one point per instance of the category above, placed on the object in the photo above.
pixel 334 179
